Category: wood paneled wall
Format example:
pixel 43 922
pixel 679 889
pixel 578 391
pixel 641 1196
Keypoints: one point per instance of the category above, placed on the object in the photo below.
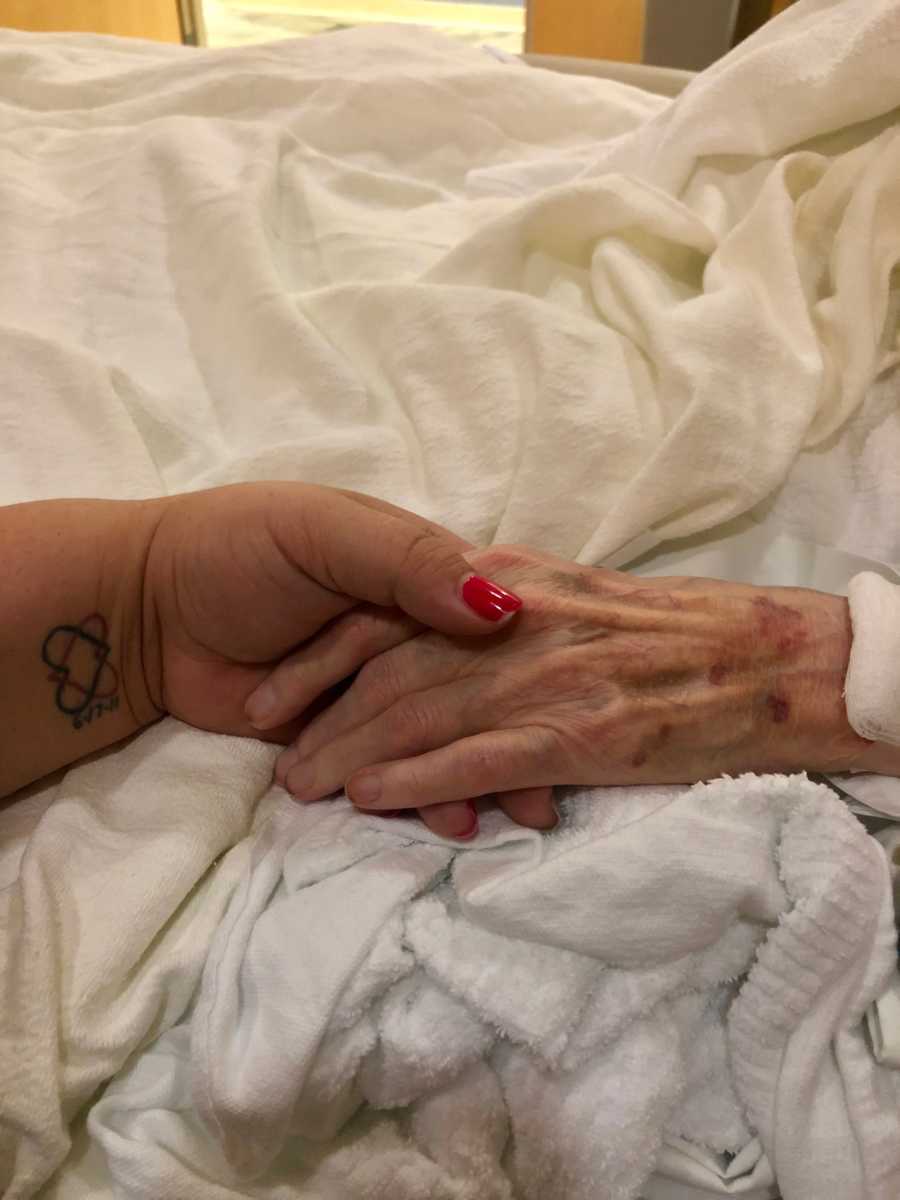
pixel 587 28
pixel 611 29
pixel 156 19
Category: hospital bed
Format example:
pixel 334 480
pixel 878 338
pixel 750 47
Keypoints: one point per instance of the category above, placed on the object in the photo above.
pixel 684 1173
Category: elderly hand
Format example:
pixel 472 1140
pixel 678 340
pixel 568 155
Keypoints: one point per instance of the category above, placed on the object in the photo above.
pixel 603 678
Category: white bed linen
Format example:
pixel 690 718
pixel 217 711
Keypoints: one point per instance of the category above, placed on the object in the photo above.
pixel 225 266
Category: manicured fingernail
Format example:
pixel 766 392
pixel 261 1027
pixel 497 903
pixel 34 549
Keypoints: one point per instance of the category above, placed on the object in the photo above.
pixel 365 790
pixel 488 599
pixel 472 828
pixel 261 705
pixel 299 779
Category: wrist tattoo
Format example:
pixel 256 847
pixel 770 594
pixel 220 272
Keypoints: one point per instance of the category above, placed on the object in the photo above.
pixel 87 684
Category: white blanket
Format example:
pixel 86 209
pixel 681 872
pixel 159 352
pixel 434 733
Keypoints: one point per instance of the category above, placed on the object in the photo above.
pixel 525 304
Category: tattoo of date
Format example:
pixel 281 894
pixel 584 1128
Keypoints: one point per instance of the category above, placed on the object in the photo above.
pixel 87 684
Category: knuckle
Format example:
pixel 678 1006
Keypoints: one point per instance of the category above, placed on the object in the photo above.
pixel 378 680
pixel 426 552
pixel 543 741
pixel 489 759
pixel 412 722
pixel 553 743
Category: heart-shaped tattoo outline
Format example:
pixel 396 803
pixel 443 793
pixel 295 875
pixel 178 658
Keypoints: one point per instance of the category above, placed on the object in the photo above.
pixel 63 639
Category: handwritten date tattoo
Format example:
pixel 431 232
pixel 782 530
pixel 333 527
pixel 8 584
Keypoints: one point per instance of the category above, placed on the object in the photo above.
pixel 87 684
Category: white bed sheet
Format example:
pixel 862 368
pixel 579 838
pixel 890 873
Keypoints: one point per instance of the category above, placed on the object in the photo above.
pixel 126 420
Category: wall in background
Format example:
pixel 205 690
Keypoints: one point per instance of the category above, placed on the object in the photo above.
pixel 587 28
pixel 156 19
pixel 689 34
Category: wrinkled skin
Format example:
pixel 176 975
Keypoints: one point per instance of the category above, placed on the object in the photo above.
pixel 602 678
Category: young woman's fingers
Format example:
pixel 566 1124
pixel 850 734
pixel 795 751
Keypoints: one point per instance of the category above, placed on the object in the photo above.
pixel 413 725
pixel 367 553
pixel 499 761
pixel 458 819
pixel 405 514
pixel 531 807
pixel 325 660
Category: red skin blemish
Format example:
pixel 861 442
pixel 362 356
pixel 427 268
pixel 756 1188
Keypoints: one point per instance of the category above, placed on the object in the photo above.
pixel 717 673
pixel 791 642
pixel 639 759
pixel 782 622
pixel 779 708
pixel 765 611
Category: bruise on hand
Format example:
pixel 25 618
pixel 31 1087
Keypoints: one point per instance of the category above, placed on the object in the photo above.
pixel 656 743
pixel 717 673
pixel 780 624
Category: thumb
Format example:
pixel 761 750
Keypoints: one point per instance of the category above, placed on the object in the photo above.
pixel 383 555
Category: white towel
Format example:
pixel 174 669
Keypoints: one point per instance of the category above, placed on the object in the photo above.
pixel 543 1014
pixel 324 260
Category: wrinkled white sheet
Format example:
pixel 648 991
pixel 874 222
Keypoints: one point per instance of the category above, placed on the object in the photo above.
pixel 535 307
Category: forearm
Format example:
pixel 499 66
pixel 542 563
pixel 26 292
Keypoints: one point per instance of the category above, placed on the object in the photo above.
pixel 72 631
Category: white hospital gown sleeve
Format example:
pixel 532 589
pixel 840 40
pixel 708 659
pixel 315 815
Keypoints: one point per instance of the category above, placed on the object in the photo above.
pixel 872 686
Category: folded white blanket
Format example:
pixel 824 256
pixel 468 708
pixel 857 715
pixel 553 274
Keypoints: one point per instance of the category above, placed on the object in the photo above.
pixel 535 307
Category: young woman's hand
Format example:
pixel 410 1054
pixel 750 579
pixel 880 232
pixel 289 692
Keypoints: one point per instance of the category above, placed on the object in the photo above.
pixel 238 577
pixel 243 581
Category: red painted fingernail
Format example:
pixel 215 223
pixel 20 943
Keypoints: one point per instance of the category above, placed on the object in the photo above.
pixel 472 828
pixel 488 599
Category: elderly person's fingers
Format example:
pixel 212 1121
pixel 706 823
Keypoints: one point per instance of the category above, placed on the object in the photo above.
pixel 473 766
pixel 337 653
pixel 405 674
pixel 416 723
pixel 458 819
pixel 529 807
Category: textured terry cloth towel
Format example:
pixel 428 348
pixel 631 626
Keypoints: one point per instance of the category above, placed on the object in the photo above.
pixel 328 260
pixel 540 1010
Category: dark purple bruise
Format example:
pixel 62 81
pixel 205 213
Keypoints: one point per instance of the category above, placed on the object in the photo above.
pixel 779 707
